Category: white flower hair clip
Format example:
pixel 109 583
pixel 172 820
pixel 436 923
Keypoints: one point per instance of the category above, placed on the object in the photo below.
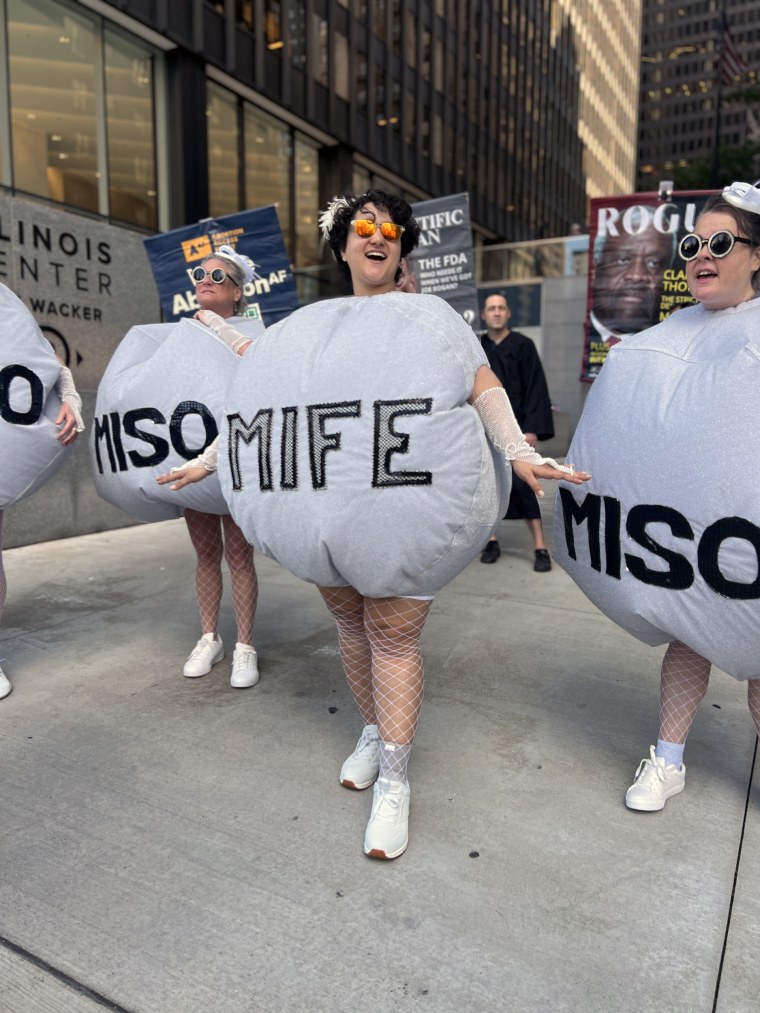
pixel 743 195
pixel 327 218
pixel 244 263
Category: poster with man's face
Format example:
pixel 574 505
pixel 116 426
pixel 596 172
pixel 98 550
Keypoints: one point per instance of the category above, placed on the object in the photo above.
pixel 636 277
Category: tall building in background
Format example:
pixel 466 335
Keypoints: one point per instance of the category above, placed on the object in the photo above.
pixel 155 113
pixel 700 62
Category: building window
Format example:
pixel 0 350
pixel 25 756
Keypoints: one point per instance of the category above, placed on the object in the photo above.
pixel 223 148
pixel 82 112
pixel 268 156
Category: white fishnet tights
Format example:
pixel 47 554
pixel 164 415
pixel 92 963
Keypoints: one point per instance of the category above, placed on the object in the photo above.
pixel 214 537
pixel 683 684
pixel 379 641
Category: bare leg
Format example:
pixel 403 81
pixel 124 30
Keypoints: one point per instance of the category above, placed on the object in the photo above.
pixel 346 606
pixel 206 535
pixel 536 528
pixel 245 586
pixel 683 684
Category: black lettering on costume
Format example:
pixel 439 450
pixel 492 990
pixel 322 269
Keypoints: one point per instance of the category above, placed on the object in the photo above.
pixel 36 395
pixel 612 537
pixel 289 449
pixel 112 435
pixel 388 442
pixel 680 574
pixel 709 549
pixel 159 444
pixel 183 409
pixel 261 426
pixel 320 441
pixel 590 510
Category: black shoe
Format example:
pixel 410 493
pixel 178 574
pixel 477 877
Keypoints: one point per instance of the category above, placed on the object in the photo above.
pixel 491 552
pixel 543 562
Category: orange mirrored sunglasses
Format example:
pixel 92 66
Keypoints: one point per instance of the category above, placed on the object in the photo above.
pixel 364 228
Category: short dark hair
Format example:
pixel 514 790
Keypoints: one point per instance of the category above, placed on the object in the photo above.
pixel 399 211
pixel 746 222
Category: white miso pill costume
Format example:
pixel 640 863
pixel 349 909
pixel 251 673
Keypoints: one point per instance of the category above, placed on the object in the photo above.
pixel 32 387
pixel 40 415
pixel 158 406
pixel 667 549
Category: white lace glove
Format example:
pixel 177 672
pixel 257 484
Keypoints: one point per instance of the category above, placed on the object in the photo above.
pixel 208 459
pixel 500 424
pixel 232 338
pixel 67 392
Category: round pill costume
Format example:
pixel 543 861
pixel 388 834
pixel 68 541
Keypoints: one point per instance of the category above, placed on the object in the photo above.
pixel 350 470
pixel 669 545
pixel 157 407
pixel 40 415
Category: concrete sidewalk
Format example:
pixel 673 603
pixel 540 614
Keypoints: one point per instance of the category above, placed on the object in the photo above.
pixel 178 846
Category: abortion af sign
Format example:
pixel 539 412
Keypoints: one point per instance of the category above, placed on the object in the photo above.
pixel 443 262
pixel 636 278
pixel 255 233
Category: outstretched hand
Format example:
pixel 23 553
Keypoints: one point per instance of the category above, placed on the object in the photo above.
pixel 67 423
pixel 531 473
pixel 180 477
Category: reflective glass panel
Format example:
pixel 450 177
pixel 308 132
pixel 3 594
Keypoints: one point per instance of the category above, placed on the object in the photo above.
pixel 131 148
pixel 224 187
pixel 52 72
pixel 267 166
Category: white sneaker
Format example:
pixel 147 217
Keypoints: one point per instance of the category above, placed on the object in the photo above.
pixel 363 765
pixel 245 670
pixel 204 656
pixel 5 685
pixel 655 783
pixel 388 829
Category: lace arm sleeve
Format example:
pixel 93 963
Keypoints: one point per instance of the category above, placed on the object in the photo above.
pixel 68 394
pixel 502 430
pixel 226 333
pixel 208 459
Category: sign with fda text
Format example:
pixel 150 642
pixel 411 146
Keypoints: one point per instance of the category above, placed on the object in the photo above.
pixel 636 278
pixel 443 262
pixel 254 233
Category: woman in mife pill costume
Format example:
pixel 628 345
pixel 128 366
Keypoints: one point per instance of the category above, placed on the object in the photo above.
pixel 366 470
pixel 40 415
pixel 685 390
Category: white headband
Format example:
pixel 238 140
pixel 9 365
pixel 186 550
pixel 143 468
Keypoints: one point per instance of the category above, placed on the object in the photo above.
pixel 244 263
pixel 743 195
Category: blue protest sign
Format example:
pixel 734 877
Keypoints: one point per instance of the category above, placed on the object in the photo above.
pixel 255 233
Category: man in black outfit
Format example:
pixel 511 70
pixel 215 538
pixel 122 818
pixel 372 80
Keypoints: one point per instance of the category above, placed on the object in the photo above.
pixel 514 359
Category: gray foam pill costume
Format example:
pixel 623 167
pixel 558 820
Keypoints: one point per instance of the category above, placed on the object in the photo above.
pixel 29 404
pixel 158 406
pixel 665 538
pixel 350 454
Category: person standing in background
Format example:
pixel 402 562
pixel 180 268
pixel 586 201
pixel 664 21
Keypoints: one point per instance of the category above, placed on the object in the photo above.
pixel 514 359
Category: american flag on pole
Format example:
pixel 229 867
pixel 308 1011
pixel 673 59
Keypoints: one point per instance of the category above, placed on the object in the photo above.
pixel 732 66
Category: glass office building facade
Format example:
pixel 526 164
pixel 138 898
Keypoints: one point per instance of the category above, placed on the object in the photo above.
pixel 155 113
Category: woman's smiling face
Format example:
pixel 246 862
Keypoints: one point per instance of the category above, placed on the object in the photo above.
pixel 373 261
pixel 720 282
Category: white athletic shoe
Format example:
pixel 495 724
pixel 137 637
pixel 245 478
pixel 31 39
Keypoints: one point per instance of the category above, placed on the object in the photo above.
pixel 654 784
pixel 363 765
pixel 245 671
pixel 388 829
pixel 5 685
pixel 204 656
